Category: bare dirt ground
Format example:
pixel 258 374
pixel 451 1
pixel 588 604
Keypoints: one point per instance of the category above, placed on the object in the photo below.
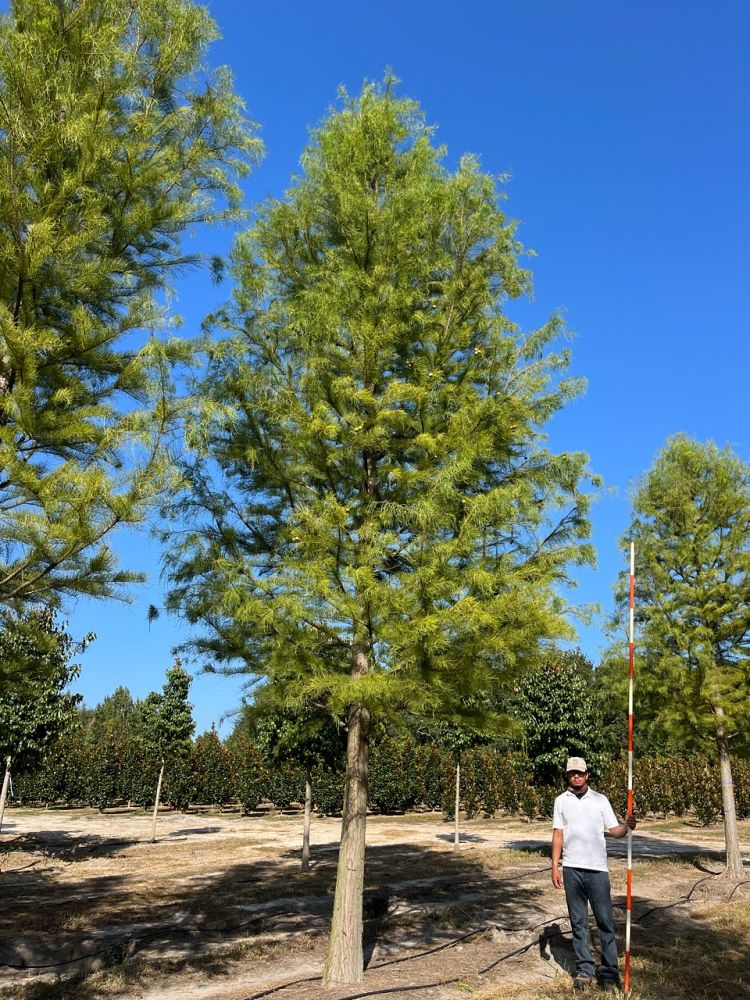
pixel 218 909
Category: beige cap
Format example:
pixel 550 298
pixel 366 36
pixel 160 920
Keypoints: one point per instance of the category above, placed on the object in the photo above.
pixel 576 764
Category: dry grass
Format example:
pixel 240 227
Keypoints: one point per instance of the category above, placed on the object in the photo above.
pixel 122 980
pixel 217 878
pixel 706 959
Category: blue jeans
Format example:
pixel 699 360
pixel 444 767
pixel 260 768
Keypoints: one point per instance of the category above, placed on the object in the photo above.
pixel 583 886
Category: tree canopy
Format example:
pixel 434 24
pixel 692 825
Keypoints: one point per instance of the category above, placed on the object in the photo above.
pixel 377 423
pixel 36 708
pixel 166 724
pixel 371 504
pixel 557 704
pixel 691 527
pixel 117 716
pixel 114 140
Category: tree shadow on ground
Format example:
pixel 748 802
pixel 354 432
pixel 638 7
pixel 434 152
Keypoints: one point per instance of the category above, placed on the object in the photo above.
pixel 413 897
pixel 67 846
pixel 188 831
pixel 677 955
pixel 465 838
pixel 414 902
pixel 555 944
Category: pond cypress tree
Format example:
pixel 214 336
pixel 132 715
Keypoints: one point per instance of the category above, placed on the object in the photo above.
pixel 166 728
pixel 371 508
pixel 691 527
pixel 113 142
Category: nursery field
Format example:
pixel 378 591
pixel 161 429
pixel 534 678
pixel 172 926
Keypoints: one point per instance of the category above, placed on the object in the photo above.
pixel 218 909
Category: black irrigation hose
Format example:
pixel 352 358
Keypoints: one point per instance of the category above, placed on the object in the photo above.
pixel 187 932
pixel 421 986
pixel 739 884
pixel 9 871
pixel 519 951
pixel 682 899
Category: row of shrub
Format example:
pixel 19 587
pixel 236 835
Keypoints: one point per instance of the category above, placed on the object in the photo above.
pixel 403 775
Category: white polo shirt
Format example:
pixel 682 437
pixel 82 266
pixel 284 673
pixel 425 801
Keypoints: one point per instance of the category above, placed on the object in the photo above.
pixel 583 822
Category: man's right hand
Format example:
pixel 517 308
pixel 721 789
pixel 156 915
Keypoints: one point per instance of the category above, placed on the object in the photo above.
pixel 556 879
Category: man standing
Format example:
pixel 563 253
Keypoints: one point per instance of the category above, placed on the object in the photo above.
pixel 580 820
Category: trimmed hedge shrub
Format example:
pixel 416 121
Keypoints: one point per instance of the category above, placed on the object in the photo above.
pixel 213 780
pixel 404 774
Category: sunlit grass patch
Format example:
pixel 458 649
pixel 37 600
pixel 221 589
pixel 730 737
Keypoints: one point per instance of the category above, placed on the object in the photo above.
pixel 701 961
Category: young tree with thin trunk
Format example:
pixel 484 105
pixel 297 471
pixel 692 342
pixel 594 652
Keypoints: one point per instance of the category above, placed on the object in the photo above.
pixel 114 141
pixel 691 527
pixel 457 737
pixel 371 504
pixel 306 736
pixel 4 790
pixel 167 728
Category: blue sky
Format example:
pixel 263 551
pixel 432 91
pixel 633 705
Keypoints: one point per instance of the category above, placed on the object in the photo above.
pixel 625 128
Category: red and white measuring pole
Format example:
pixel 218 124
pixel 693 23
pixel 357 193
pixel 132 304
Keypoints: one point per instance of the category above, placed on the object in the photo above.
pixel 631 676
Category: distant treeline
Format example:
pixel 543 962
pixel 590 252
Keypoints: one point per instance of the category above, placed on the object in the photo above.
pixel 404 775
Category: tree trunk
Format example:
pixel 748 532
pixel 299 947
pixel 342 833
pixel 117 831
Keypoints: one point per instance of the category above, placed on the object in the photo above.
pixel 729 809
pixel 456 831
pixel 344 962
pixel 306 830
pixel 156 803
pixel 4 793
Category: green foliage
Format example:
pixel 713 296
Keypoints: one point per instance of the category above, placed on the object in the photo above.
pixel 675 785
pixel 140 773
pixel 117 716
pixel 556 703
pixel 211 770
pixel 114 142
pixel 610 683
pixel 371 508
pixel 251 774
pixel 293 741
pixel 167 724
pixel 456 736
pixel 304 734
pixel 285 783
pixel 35 707
pixel 404 775
pixel 691 526
pixel 56 776
pixel 166 731
pixel 104 766
pixel 396 779
pixel 328 792
pixel 178 786
pixel 430 763
pixel 493 780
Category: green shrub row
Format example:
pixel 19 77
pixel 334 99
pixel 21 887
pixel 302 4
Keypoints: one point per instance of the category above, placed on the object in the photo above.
pixel 676 786
pixel 403 775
